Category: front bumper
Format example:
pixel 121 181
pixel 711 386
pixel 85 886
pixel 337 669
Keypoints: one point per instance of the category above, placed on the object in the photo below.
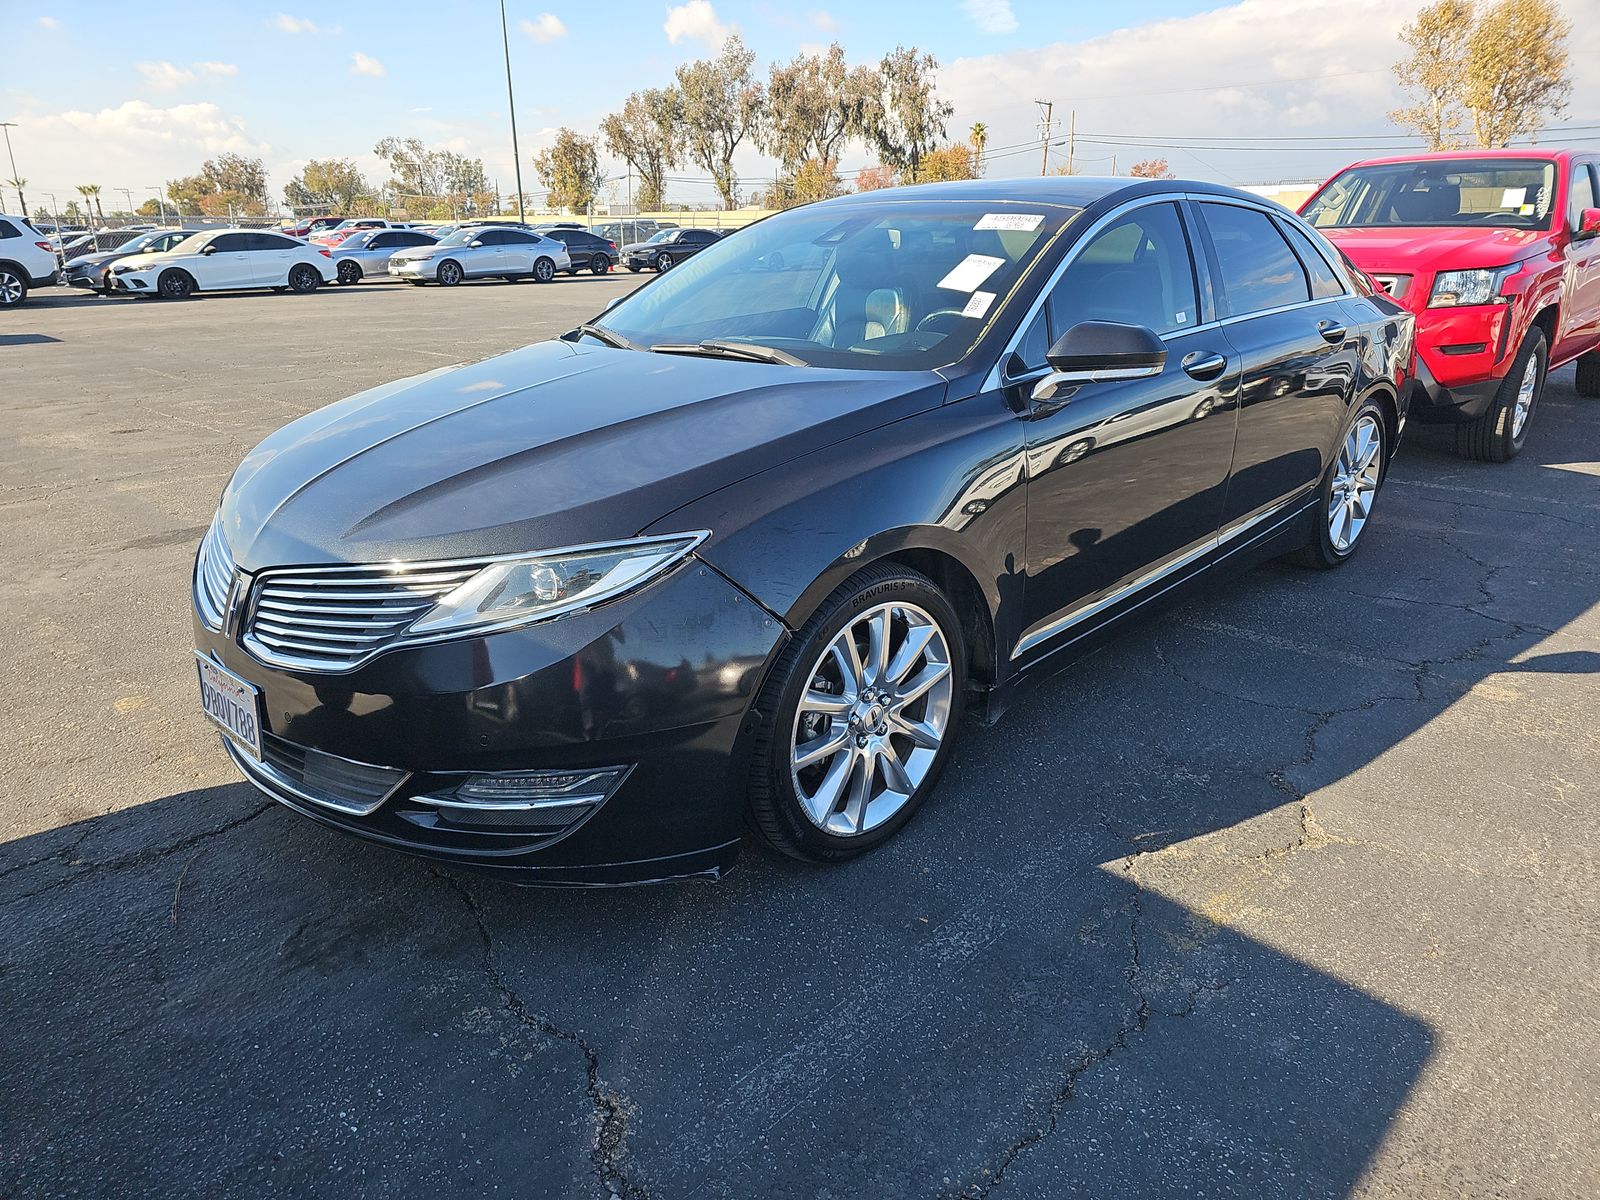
pixel 131 281
pixel 661 682
pixel 413 268
pixel 1462 356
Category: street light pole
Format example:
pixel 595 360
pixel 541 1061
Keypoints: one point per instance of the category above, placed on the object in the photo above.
pixel 128 192
pixel 511 101
pixel 161 207
pixel 22 204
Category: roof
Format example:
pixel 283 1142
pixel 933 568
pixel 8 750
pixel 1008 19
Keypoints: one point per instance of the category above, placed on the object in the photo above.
pixel 1073 191
pixel 1556 153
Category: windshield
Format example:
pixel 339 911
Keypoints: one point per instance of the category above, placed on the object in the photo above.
pixel 1506 193
pixel 191 244
pixel 461 237
pixel 893 285
pixel 664 236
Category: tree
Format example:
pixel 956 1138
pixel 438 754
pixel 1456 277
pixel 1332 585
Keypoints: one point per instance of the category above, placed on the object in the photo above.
pixel 19 183
pixel 228 185
pixel 570 170
pixel 815 104
pixel 150 208
pixel 957 161
pixel 1432 74
pixel 1517 70
pixel 870 179
pixel 1150 168
pixel 978 138
pixel 648 135
pixel 722 105
pixel 430 174
pixel 327 184
pixel 907 117
pixel 815 179
pixel 91 197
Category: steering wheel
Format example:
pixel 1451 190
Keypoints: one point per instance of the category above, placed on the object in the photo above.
pixel 926 324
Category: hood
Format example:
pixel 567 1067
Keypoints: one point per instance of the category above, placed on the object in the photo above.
pixel 556 444
pixel 1426 250
pixel 138 262
pixel 633 247
pixel 94 260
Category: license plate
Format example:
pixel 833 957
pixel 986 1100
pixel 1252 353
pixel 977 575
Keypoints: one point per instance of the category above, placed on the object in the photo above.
pixel 231 702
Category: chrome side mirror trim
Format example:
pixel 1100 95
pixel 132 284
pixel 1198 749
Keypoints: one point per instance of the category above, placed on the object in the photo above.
pixel 1052 383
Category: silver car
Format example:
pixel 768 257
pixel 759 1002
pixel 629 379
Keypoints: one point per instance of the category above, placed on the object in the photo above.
pixel 368 252
pixel 479 253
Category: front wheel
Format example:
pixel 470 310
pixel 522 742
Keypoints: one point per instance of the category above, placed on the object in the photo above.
pixel 304 278
pixel 450 272
pixel 633 269
pixel 1349 490
pixel 864 707
pixel 1500 434
pixel 175 285
pixel 544 270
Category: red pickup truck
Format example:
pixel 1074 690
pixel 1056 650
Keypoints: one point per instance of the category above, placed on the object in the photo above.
pixel 1497 252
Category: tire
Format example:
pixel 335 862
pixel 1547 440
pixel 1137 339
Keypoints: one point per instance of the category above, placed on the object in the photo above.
pixel 449 273
pixel 1499 435
pixel 174 284
pixel 599 264
pixel 304 279
pixel 13 286
pixel 1589 374
pixel 544 270
pixel 663 262
pixel 832 809
pixel 1349 489
pixel 633 269
pixel 416 282
pixel 349 271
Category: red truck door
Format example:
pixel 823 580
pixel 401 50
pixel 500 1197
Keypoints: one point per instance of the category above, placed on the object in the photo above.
pixel 1580 299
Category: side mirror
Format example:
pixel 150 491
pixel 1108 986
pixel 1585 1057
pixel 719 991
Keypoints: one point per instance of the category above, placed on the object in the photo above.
pixel 1101 352
pixel 476 242
pixel 1588 225
pixel 211 249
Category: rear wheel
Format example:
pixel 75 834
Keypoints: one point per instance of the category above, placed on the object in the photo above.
pixel 1499 435
pixel 600 264
pixel 13 287
pixel 450 272
pixel 303 278
pixel 174 284
pixel 349 271
pixel 1589 373
pixel 864 708
pixel 1348 491
pixel 544 270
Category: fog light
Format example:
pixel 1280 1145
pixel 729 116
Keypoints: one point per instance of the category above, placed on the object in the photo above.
pixel 548 799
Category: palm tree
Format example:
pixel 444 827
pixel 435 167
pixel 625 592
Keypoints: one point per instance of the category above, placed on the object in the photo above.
pixel 91 199
pixel 19 183
pixel 979 137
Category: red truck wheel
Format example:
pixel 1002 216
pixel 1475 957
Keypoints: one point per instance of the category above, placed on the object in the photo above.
pixel 1499 435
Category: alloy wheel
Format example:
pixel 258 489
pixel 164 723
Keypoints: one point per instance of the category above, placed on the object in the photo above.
pixel 1355 482
pixel 349 272
pixel 870 723
pixel 1527 392
pixel 10 289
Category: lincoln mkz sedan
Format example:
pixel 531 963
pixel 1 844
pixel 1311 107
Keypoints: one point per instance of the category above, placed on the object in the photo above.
pixel 750 543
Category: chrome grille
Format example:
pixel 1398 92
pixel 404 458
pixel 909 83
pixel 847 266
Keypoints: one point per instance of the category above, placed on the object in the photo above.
pixel 213 576
pixel 286 770
pixel 335 618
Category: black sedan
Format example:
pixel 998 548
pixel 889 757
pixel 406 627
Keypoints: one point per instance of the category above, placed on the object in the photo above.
pixel 588 251
pixel 93 271
pixel 667 249
pixel 752 542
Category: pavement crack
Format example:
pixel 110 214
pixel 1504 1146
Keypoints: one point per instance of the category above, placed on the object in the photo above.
pixel 610 1108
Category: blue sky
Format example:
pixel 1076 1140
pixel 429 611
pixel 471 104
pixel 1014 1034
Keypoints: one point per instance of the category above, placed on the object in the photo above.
pixel 128 99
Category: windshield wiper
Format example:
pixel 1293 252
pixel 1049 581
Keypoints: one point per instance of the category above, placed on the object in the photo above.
pixel 609 336
pixel 720 349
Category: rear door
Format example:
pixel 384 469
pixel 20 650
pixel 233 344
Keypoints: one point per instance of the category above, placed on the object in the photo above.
pixel 1580 301
pixel 271 256
pixel 1297 349
pixel 576 243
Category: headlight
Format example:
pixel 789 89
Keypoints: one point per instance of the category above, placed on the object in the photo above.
pixel 541 587
pixel 1455 289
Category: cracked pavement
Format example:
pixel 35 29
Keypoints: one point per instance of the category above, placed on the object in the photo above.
pixel 1290 892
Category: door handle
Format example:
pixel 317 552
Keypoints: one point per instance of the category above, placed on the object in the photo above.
pixel 1331 331
pixel 1204 365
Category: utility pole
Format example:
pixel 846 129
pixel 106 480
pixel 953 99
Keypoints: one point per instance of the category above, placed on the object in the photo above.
pixel 1045 126
pixel 8 126
pixel 128 192
pixel 511 101
pixel 161 206
pixel 1072 138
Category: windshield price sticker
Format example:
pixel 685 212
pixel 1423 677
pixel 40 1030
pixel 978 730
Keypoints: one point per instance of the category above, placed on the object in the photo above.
pixel 971 271
pixel 1016 222
pixel 978 305
pixel 1513 197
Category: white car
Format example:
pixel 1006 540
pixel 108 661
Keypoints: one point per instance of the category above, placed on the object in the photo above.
pixel 219 260
pixel 27 260
pixel 482 253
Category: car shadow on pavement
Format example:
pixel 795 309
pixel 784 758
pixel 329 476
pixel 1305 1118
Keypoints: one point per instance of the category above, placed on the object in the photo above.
pixel 1043 988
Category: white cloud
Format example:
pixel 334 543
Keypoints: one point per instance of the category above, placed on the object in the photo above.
pixel 166 77
pixel 426 108
pixel 136 142
pixel 48 23
pixel 825 21
pixel 216 68
pixel 546 27
pixel 288 24
pixel 365 64
pixel 991 16
pixel 695 20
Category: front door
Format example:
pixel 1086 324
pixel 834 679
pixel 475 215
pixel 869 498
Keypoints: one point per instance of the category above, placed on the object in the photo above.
pixel 1125 479
pixel 229 265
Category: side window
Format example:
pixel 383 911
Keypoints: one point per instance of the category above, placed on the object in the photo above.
pixel 1580 195
pixel 1324 280
pixel 1137 270
pixel 1258 269
pixel 560 235
pixel 8 230
pixel 412 239
pixel 383 241
pixel 271 241
pixel 231 243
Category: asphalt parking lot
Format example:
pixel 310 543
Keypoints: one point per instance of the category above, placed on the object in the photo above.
pixel 1291 892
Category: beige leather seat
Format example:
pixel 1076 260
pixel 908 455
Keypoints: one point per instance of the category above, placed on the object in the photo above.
pixel 886 313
